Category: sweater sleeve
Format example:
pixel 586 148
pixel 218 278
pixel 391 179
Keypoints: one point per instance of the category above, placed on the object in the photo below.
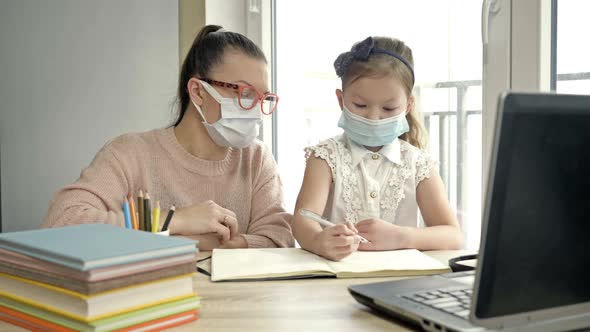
pixel 96 197
pixel 270 224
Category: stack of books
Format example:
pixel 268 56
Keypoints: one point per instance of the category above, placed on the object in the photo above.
pixel 96 277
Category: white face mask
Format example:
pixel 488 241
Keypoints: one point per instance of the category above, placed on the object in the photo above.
pixel 237 127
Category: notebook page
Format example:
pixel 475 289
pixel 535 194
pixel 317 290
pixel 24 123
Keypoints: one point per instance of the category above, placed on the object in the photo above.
pixel 233 264
pixel 394 262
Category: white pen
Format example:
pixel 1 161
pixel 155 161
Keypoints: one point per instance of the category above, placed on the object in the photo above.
pixel 317 218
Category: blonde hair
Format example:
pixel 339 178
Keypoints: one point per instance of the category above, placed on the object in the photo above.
pixel 380 65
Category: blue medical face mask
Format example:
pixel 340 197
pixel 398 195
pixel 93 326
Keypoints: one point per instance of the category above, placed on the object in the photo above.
pixel 373 132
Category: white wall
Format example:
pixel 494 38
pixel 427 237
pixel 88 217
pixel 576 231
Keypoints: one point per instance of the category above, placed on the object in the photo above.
pixel 231 14
pixel 74 74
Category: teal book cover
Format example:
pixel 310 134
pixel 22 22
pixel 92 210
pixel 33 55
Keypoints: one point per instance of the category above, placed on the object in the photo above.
pixel 91 246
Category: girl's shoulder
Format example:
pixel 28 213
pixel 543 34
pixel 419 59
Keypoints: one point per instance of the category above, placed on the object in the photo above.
pixel 329 147
pixel 410 152
pixel 418 160
pixel 332 143
pixel 330 150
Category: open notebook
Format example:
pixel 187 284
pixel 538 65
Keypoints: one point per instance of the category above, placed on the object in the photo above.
pixel 291 263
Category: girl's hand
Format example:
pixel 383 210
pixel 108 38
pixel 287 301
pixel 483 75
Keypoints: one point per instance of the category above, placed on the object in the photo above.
pixel 381 235
pixel 205 217
pixel 336 242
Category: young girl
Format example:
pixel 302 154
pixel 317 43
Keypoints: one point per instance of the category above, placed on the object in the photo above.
pixel 371 180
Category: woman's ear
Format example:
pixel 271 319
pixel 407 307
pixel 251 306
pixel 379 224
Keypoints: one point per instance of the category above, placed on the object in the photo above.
pixel 340 100
pixel 195 90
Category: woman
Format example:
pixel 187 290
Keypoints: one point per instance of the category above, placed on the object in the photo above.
pixel 223 182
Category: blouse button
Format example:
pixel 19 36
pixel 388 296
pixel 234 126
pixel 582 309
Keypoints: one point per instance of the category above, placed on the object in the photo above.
pixel 375 157
pixel 373 194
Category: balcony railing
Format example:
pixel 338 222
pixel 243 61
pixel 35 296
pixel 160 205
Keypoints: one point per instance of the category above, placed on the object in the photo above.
pixel 460 117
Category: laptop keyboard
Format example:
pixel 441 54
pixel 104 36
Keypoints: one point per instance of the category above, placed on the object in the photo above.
pixel 455 300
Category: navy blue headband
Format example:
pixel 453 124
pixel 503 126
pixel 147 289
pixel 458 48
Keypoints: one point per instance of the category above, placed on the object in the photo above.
pixel 361 51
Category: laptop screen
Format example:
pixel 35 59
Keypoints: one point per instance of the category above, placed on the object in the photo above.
pixel 537 249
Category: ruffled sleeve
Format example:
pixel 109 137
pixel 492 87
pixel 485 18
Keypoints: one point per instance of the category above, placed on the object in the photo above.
pixel 424 166
pixel 325 151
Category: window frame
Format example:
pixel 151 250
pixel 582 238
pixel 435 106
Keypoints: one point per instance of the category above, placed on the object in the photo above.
pixel 517 56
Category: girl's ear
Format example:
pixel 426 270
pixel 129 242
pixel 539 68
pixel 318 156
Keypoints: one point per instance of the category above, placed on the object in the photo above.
pixel 411 104
pixel 340 100
pixel 195 90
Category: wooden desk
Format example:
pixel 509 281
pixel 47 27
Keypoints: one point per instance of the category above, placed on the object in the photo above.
pixel 286 305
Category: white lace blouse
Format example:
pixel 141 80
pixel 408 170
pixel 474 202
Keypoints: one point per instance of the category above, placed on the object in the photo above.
pixel 370 184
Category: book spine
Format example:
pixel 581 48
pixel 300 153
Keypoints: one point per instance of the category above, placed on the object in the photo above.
pixel 29 251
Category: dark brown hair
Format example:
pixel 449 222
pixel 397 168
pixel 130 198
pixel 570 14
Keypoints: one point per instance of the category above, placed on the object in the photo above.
pixel 207 52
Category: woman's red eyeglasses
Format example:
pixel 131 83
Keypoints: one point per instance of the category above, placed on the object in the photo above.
pixel 248 96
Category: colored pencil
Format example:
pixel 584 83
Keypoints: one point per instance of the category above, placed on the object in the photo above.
pixel 168 218
pixel 133 211
pixel 156 217
pixel 127 214
pixel 140 211
pixel 147 212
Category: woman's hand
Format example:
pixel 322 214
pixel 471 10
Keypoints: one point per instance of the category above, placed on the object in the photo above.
pixel 205 217
pixel 381 235
pixel 207 242
pixel 210 241
pixel 336 242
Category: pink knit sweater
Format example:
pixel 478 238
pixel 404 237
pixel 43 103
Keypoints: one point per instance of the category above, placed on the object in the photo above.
pixel 245 182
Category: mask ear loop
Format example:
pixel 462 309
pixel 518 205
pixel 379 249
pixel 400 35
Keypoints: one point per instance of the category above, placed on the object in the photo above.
pixel 213 93
pixel 200 111
pixel 218 98
pixel 402 115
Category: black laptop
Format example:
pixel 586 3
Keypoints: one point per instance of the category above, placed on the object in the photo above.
pixel 533 272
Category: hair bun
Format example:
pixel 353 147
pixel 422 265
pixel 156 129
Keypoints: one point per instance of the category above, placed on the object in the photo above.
pixel 359 51
pixel 342 62
pixel 362 50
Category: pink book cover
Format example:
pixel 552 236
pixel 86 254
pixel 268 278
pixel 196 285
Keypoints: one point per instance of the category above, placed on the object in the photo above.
pixel 95 274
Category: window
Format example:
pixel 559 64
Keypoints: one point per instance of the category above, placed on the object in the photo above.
pixel 446 42
pixel 572 54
